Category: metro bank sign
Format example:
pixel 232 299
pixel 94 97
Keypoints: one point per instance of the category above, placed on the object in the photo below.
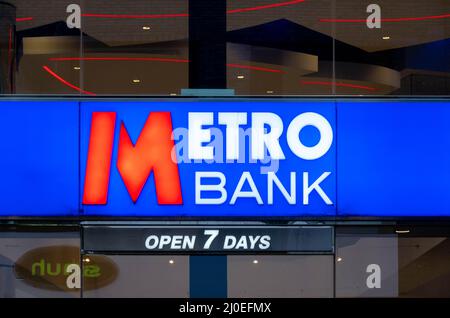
pixel 162 159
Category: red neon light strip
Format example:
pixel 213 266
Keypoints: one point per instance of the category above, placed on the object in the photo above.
pixel 24 19
pixel 139 16
pixel 256 68
pixel 158 59
pixel 267 6
pixel 177 15
pixel 337 85
pixel 432 17
pixel 62 80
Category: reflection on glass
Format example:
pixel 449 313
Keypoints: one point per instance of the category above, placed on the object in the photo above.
pixel 273 47
pixel 424 266
pixel 290 276
pixel 366 264
pixel 36 264
pixel 139 276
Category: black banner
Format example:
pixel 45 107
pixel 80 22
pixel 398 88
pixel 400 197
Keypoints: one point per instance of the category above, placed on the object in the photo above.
pixel 208 239
pixel 267 307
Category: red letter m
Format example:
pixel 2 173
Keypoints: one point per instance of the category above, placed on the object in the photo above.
pixel 151 153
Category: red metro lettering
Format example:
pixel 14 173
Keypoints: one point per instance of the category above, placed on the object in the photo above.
pixel 135 163
pixel 151 152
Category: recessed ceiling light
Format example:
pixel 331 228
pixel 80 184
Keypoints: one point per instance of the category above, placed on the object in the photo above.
pixel 136 81
pixel 255 261
pixel 146 27
pixel 339 259
pixel 77 68
pixel 240 76
pixel 269 92
pixel 386 37
pixel 171 261
pixel 402 231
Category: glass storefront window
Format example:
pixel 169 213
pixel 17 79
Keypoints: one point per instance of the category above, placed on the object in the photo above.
pixel 264 47
pixel 94 48
pixel 282 276
pixel 424 262
pixel 42 37
pixel 406 53
pixel 366 262
pixel 406 261
pixel 135 47
pixel 34 264
pixel 170 276
pixel 274 47
pixel 138 276
pixel 369 261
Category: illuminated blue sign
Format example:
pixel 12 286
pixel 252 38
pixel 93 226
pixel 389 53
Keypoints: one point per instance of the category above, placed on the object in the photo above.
pixel 225 158
pixel 208 158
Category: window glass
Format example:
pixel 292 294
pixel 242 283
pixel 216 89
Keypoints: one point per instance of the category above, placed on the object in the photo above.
pixel 135 47
pixel 273 47
pixel 289 276
pixel 406 261
pixel 278 47
pixel 366 262
pixel 42 37
pixel 139 276
pixel 424 262
pixel 406 53
pixel 92 48
pixel 34 264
